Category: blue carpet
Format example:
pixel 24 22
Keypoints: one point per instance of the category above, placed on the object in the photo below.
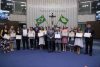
pixel 40 58
pixel 37 58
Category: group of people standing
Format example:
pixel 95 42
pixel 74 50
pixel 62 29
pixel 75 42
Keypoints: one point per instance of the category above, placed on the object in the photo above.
pixel 53 38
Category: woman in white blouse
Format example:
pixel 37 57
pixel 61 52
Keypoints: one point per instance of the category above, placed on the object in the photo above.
pixel 41 37
pixel 31 35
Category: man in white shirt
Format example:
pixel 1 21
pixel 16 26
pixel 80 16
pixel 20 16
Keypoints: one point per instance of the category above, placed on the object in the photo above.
pixel 25 37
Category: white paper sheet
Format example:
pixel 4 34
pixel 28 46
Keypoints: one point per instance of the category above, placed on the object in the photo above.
pixel 40 34
pixel 6 36
pixel 71 35
pixel 64 33
pixel 87 34
pixel 18 37
pixel 57 36
pixel 79 34
pixel 13 35
pixel 30 35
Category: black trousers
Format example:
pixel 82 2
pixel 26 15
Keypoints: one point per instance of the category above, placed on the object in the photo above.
pixel 36 41
pixel 50 45
pixel 46 43
pixel 89 46
pixel 18 41
pixel 32 43
pixel 25 43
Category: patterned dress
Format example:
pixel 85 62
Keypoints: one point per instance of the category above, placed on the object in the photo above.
pixel 64 37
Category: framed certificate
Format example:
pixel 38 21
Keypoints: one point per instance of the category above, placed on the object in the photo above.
pixel 18 37
pixel 79 34
pixel 87 34
pixel 6 36
pixel 40 34
pixel 57 36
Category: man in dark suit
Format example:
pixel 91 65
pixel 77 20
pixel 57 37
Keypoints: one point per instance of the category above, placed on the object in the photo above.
pixel 89 41
pixel 50 39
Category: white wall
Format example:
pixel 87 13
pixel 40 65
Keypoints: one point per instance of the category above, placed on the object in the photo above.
pixel 36 8
pixel 85 18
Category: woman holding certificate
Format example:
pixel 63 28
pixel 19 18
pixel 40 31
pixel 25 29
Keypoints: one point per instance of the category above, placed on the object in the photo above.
pixel 5 36
pixel 4 32
pixel 58 40
pixel 18 38
pixel 36 29
pixel 12 37
pixel 71 39
pixel 64 38
pixel 31 35
pixel 45 38
pixel 41 37
pixel 78 40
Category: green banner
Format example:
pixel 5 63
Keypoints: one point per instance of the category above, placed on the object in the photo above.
pixel 63 19
pixel 40 20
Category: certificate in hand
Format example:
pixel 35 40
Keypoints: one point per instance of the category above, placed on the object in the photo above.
pixel 79 34
pixel 30 35
pixel 13 35
pixel 64 33
pixel 87 34
pixel 6 36
pixel 57 36
pixel 71 35
pixel 18 37
pixel 40 34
